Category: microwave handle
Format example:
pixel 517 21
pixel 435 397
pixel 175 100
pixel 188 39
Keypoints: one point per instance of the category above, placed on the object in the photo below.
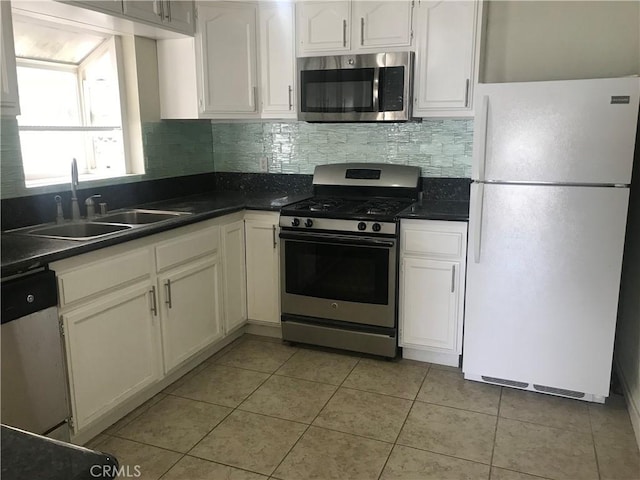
pixel 376 87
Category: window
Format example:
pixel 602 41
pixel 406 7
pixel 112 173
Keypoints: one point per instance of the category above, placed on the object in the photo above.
pixel 70 107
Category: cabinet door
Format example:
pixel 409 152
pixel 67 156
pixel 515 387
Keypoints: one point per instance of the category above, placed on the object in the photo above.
pixel 263 271
pixel 429 292
pixel 382 24
pixel 445 58
pixel 324 26
pixel 228 50
pixel 8 81
pixel 180 15
pixel 191 309
pixel 147 10
pixel 235 282
pixel 277 60
pixel 113 351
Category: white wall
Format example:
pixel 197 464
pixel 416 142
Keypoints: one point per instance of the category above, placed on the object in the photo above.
pixel 560 40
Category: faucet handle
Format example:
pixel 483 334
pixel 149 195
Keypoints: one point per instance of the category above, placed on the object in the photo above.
pixel 89 200
pixel 91 206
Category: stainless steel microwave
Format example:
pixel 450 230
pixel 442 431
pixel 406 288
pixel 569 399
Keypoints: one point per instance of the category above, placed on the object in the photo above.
pixel 355 88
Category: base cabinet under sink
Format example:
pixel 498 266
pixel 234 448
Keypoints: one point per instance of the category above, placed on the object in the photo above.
pixel 136 313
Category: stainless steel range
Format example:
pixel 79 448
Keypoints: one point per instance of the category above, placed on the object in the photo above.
pixel 339 257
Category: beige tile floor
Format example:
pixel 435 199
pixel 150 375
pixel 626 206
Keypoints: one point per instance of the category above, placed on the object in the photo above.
pixel 262 409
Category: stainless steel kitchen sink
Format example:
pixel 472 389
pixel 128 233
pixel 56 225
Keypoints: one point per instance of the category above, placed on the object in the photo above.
pixel 139 217
pixel 76 231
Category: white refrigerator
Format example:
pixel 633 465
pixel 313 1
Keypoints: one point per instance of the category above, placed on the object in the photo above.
pixel 551 171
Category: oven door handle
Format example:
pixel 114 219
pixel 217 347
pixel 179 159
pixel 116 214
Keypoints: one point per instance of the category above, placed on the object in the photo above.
pixel 337 239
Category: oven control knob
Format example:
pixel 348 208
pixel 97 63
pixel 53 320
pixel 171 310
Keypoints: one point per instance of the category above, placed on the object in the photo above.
pixel 362 226
pixel 376 227
pixel 295 222
pixel 308 222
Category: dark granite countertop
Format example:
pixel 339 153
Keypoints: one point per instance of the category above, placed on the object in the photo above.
pixel 27 456
pixel 21 252
pixel 437 210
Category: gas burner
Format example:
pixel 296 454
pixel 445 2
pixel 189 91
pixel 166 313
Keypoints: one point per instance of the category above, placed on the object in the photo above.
pixel 323 205
pixel 381 207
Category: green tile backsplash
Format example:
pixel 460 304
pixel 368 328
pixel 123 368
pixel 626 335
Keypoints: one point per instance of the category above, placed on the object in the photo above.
pixel 441 148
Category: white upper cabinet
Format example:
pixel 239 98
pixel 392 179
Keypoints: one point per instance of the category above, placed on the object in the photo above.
pixel 277 60
pixel 111 6
pixel 227 35
pixel 446 60
pixel 148 10
pixel 181 16
pixel 363 26
pixel 10 104
pixel 382 24
pixel 323 26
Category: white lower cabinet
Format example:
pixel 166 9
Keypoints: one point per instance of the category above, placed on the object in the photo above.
pixel 113 351
pixel 263 266
pixel 190 306
pixel 134 313
pixel 234 275
pixel 432 273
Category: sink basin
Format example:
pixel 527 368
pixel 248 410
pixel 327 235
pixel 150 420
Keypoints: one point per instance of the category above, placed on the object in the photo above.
pixel 139 217
pixel 77 231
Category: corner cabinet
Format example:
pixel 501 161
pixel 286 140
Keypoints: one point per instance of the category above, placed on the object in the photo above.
pixel 9 102
pixel 359 26
pixel 447 57
pixel 263 267
pixel 432 282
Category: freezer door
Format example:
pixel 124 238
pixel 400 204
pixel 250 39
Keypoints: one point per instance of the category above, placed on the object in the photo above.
pixel 578 131
pixel 543 277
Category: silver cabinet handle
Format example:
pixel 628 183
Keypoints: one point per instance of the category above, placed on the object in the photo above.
pixel 254 92
pixel 160 4
pixel 154 307
pixel 290 98
pixel 344 33
pixel 466 93
pixel 274 237
pixel 361 30
pixel 453 278
pixel 168 287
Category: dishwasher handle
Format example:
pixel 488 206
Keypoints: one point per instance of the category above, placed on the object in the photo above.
pixel 29 294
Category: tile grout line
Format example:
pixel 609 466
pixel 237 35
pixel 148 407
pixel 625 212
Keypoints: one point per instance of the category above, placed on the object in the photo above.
pixel 495 433
pixel 314 418
pixel 593 440
pixel 413 402
pixel 173 465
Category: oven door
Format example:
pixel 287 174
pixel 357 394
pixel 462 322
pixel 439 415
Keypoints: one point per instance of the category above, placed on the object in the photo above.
pixel 340 277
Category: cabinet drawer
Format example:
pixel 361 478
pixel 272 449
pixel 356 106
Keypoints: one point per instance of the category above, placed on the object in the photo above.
pixel 187 247
pixel 434 238
pixel 103 275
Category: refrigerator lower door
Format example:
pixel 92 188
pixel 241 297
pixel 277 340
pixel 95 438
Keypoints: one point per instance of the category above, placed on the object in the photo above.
pixel 543 277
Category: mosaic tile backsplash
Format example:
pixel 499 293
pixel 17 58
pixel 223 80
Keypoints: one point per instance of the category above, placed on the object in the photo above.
pixel 442 148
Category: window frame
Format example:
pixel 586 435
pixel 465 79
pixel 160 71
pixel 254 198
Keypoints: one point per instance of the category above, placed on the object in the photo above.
pixel 113 43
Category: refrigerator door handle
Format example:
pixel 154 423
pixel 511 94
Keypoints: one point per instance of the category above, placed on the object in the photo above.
pixel 480 155
pixel 477 227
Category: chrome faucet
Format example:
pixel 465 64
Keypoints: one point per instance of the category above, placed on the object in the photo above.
pixel 75 209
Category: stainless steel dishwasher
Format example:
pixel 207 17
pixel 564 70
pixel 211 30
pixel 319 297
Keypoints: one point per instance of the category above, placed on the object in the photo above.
pixel 34 381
